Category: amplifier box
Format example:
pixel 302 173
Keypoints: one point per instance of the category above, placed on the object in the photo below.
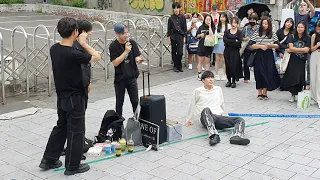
pixel 174 131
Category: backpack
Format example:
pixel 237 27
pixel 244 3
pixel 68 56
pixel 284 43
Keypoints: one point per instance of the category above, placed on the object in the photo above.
pixel 87 144
pixel 192 44
pixel 111 127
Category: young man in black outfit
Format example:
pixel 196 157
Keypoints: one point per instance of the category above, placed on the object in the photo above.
pixel 177 32
pixel 124 55
pixel 66 65
pixel 84 26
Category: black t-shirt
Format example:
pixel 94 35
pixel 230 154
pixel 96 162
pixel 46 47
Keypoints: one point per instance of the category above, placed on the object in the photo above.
pixel 86 68
pixel 299 18
pixel 127 68
pixel 300 43
pixel 67 72
pixel 317 39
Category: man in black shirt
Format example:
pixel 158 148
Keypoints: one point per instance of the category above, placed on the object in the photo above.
pixel 84 26
pixel 177 31
pixel 66 66
pixel 124 55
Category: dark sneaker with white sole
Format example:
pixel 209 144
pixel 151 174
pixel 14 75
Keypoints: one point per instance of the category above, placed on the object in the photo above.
pixel 47 164
pixel 239 140
pixel 214 139
pixel 81 169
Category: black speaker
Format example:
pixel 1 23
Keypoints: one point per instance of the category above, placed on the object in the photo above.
pixel 153 109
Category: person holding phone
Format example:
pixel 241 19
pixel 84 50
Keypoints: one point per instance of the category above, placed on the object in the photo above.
pixel 124 55
pixel 84 27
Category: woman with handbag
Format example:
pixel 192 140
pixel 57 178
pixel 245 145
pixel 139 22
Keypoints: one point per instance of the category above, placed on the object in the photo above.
pixel 299 46
pixel 283 34
pixel 265 71
pixel 218 49
pixel 248 31
pixel 205 34
pixel 232 39
pixel 315 65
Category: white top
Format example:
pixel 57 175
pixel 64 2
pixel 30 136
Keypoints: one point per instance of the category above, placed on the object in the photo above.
pixel 244 21
pixel 202 98
pixel 223 29
pixel 194 30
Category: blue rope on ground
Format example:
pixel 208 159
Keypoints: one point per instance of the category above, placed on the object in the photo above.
pixel 277 115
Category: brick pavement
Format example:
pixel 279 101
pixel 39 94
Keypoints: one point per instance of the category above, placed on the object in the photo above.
pixel 281 149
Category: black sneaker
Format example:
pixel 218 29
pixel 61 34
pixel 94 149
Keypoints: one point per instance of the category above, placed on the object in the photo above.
pixel 239 140
pixel 181 70
pixel 233 85
pixel 47 164
pixel 214 139
pixel 81 169
pixel 228 84
pixel 176 70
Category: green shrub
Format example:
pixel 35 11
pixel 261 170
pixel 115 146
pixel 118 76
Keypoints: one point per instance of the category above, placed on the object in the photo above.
pixel 72 3
pixel 11 1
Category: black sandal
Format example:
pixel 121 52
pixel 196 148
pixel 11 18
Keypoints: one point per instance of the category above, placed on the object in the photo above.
pixel 265 97
pixel 260 97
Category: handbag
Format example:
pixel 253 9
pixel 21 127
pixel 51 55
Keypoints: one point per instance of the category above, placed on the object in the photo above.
pixel 304 99
pixel 284 62
pixel 250 62
pixel 244 44
pixel 209 40
pixel 252 56
pixel 132 130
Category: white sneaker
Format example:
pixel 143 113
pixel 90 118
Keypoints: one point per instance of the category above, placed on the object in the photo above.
pixel 217 77
pixel 199 77
pixel 292 99
pixel 223 78
pixel 190 67
pixel 202 68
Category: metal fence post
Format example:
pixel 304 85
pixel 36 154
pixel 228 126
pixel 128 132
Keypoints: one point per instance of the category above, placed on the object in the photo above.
pixel 47 60
pixel 2 70
pixel 160 35
pixel 26 61
pixel 103 48
pixel 148 40
pixel 107 49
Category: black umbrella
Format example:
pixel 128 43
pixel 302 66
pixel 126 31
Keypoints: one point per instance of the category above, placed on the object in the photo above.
pixel 257 8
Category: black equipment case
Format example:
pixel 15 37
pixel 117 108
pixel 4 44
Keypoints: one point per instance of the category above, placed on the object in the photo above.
pixel 153 109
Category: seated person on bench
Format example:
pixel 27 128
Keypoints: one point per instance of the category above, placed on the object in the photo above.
pixel 207 105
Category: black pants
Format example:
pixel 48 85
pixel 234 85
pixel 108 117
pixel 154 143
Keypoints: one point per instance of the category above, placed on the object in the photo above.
pixel 177 51
pixel 246 70
pixel 70 126
pixel 213 122
pixel 294 90
pixel 132 87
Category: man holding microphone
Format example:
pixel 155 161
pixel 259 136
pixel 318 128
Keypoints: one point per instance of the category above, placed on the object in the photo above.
pixel 124 55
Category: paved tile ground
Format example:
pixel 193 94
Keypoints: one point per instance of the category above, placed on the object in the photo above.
pixel 280 148
pixel 283 148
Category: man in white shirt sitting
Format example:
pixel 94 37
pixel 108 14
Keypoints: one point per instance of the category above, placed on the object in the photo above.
pixel 207 104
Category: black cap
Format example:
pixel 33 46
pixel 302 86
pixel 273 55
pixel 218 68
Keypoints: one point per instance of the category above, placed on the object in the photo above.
pixel 214 7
